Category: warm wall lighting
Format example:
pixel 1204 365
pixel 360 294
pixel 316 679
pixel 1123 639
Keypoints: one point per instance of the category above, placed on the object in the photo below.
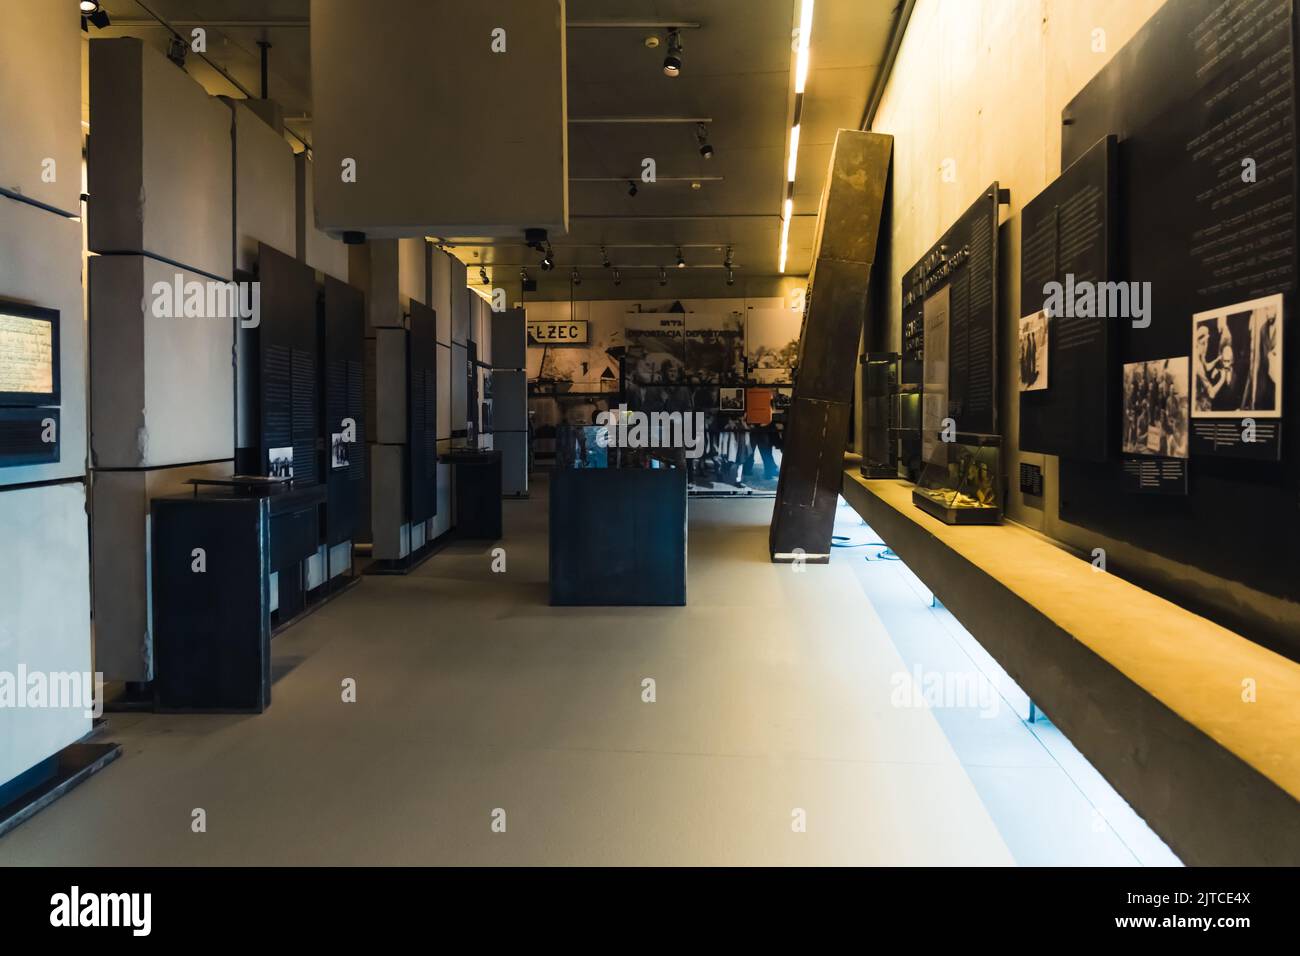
pixel 794 154
pixel 805 37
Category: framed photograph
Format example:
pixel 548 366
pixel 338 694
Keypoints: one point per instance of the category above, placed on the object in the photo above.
pixel 731 399
pixel 1155 408
pixel 1237 360
pixel 338 451
pixel 29 355
pixel 280 462
pixel 1033 352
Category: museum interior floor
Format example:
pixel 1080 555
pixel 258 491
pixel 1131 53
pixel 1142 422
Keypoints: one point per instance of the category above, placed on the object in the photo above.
pixel 775 692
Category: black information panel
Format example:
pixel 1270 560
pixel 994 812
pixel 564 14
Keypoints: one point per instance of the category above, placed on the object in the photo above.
pixel 343 347
pixel 282 391
pixel 964 260
pixel 422 413
pixel 1202 101
pixel 1067 370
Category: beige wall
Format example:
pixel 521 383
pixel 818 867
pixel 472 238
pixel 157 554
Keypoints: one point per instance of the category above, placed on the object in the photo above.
pixel 978 89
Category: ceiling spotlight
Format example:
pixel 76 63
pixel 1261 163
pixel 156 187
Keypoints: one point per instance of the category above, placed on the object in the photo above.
pixel 631 187
pixel 575 278
pixel 696 184
pixel 731 276
pixel 702 137
pixel 523 274
pixel 681 263
pixel 727 260
pixel 93 11
pixel 673 61
pixel 482 274
pixel 663 276
pixel 548 263
pixel 618 277
pixel 604 258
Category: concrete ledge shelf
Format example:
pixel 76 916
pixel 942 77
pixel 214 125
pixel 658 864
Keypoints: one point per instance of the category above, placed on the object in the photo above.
pixel 1151 694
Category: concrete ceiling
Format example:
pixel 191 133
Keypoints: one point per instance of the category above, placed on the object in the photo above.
pixel 737 71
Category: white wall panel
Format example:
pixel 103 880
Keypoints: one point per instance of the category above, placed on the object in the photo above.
pixel 265 187
pixel 440 293
pixel 163 388
pixel 40 109
pixel 412 270
pixel 45 615
pixel 460 316
pixel 444 392
pixel 159 160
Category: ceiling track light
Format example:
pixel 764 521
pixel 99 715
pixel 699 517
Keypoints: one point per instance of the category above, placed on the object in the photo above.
pixel 604 258
pixel 731 276
pixel 93 12
pixel 575 278
pixel 681 262
pixel 702 137
pixel 673 61
pixel 482 274
pixel 523 274
pixel 618 277
pixel 631 187
pixel 663 276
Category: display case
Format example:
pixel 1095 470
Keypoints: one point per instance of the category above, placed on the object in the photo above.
pixel 960 484
pixel 879 384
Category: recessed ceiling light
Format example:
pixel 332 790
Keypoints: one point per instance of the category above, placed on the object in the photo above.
pixel 652 41
pixel 697 184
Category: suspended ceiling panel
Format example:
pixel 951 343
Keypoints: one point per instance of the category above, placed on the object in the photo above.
pixel 450 134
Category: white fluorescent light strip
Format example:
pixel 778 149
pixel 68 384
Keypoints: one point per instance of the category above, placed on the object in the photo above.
pixel 800 81
pixel 785 231
pixel 805 37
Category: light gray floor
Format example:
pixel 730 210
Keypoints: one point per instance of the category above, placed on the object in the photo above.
pixel 473 695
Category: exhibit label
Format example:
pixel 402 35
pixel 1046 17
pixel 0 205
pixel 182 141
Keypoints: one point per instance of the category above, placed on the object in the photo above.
pixel 573 332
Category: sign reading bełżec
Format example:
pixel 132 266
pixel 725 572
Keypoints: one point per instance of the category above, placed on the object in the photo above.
pixel 572 332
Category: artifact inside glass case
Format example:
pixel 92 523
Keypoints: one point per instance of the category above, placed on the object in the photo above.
pixel 960 482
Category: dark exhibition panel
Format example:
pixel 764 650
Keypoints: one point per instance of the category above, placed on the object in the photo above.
pixel 422 414
pixel 545 433
pixel 342 332
pixel 1204 111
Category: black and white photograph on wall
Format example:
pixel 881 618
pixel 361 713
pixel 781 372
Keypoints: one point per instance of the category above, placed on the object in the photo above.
pixel 1155 408
pixel 782 399
pixel 715 348
pixel 656 349
pixel 338 451
pixel 1033 352
pixel 1237 357
pixel 772 345
pixel 280 462
pixel 732 399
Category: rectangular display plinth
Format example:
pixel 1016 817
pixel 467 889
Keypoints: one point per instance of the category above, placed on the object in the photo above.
pixel 618 536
